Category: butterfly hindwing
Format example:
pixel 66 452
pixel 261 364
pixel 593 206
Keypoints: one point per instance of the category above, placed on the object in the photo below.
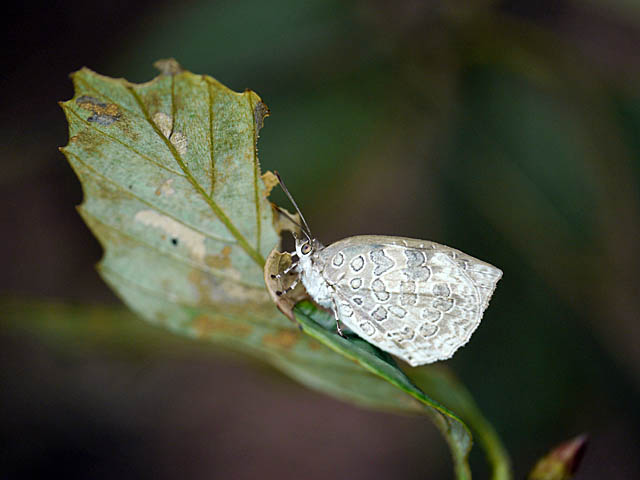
pixel 416 299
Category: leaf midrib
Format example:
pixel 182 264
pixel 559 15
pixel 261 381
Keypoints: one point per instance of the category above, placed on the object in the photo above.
pixel 242 241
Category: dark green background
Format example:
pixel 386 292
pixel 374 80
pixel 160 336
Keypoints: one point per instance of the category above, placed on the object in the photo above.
pixel 509 130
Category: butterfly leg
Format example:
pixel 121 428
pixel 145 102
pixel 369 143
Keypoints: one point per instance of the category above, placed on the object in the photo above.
pixel 335 314
pixel 285 271
pixel 289 288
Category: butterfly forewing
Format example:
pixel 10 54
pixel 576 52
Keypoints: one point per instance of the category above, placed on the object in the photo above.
pixel 416 299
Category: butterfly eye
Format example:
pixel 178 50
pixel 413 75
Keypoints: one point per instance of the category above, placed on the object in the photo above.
pixel 306 249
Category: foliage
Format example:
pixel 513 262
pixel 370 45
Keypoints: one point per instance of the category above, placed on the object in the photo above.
pixel 174 192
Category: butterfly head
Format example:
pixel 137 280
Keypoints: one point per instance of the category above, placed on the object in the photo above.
pixel 306 246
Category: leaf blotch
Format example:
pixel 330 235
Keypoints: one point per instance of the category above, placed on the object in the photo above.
pixel 102 113
pixel 205 325
pixel 165 189
pixel 221 260
pixel 168 66
pixel 284 339
pixel 165 123
pixel 270 181
pixel 194 241
pixel 260 112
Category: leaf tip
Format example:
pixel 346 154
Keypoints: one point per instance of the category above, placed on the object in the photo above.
pixel 82 71
pixel 562 462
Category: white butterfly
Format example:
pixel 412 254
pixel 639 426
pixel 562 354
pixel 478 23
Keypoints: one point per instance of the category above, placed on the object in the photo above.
pixel 415 299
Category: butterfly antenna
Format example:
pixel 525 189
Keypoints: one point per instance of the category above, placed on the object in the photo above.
pixel 304 222
pixel 290 218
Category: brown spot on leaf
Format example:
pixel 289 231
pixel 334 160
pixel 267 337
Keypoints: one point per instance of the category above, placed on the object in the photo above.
pixel 260 112
pixel 221 260
pixel 270 181
pixel 89 140
pixel 165 188
pixel 168 66
pixel 205 325
pixel 102 113
pixel 283 339
pixel 207 287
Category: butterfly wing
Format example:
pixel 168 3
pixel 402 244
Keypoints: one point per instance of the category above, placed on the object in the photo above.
pixel 416 299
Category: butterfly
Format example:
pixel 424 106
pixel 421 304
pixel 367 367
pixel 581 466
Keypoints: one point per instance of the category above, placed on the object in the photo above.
pixel 415 299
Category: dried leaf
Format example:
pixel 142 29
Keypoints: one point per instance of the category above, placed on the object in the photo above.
pixel 276 263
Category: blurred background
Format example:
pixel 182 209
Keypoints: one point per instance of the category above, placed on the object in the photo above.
pixel 509 130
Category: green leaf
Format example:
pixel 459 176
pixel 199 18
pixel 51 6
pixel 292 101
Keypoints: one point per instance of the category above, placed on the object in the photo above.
pixel 174 194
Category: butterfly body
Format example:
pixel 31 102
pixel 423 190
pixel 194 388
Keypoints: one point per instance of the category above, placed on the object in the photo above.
pixel 416 299
pixel 311 268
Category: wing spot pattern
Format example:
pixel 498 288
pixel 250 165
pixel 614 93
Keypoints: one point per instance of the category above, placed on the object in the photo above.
pixel 380 290
pixel 382 262
pixel 443 304
pixel 428 330
pixel 441 290
pixel 431 315
pixel 346 310
pixel 408 295
pixel 380 314
pixel 415 269
pixel 357 263
pixel 406 334
pixel 368 328
pixel 338 259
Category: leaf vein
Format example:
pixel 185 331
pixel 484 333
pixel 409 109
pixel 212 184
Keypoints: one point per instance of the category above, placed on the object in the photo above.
pixel 128 147
pixel 242 241
pixel 251 317
pixel 211 140
pixel 151 205
pixel 88 86
pixel 167 253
